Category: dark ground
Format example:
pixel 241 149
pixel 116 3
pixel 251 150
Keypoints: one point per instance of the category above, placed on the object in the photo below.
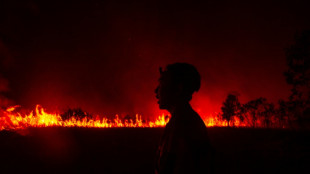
pixel 132 150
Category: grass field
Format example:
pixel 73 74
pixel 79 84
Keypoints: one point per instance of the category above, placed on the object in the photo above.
pixel 132 150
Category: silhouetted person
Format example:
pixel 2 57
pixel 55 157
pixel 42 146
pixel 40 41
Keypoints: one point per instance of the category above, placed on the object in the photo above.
pixel 184 147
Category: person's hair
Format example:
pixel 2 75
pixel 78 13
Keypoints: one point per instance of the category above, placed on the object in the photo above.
pixel 186 75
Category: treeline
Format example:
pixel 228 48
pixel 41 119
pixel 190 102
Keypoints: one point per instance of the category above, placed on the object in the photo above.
pixel 293 112
pixel 255 113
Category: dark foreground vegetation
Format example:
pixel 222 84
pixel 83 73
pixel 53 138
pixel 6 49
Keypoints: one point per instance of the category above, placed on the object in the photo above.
pixel 132 150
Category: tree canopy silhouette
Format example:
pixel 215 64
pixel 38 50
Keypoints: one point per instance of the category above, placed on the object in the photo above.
pixel 230 107
pixel 298 75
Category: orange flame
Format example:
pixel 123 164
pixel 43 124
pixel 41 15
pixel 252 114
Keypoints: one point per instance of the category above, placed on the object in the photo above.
pixel 11 120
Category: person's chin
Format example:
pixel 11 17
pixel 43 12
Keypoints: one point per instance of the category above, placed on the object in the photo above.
pixel 162 106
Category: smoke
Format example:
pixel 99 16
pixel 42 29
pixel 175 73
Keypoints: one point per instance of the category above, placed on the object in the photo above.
pixel 4 102
pixel 104 56
pixel 5 59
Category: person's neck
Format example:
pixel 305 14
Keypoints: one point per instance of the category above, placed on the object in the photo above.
pixel 179 107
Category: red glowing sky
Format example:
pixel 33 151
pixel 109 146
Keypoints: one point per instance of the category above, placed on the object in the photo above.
pixel 104 56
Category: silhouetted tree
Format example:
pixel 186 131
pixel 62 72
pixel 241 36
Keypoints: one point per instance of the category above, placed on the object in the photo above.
pixel 230 107
pixel 241 114
pixel 298 75
pixel 283 113
pixel 254 108
pixel 267 113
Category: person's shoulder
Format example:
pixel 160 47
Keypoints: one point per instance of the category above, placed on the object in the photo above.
pixel 196 120
pixel 190 124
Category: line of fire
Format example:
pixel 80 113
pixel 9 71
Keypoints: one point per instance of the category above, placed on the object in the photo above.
pixel 259 115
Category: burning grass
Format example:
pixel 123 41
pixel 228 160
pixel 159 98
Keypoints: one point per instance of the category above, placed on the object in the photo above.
pixel 40 118
pixel 11 119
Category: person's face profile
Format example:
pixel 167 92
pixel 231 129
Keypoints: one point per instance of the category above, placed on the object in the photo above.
pixel 165 91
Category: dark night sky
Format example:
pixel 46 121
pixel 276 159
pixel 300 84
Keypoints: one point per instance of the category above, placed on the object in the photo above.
pixel 104 56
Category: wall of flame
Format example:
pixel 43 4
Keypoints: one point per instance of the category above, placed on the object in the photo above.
pixel 12 120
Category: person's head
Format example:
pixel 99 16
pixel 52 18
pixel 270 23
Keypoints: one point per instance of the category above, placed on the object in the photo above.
pixel 177 83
